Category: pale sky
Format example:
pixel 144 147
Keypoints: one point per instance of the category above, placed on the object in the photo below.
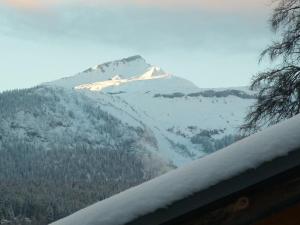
pixel 214 43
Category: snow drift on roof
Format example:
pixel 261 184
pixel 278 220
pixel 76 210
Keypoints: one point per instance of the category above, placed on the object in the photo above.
pixel 249 153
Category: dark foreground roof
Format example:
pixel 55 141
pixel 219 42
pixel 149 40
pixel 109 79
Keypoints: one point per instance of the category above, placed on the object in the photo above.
pixel 239 166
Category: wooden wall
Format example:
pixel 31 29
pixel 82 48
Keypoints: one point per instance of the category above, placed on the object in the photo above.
pixel 275 201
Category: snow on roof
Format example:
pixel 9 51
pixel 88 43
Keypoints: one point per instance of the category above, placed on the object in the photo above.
pixel 249 153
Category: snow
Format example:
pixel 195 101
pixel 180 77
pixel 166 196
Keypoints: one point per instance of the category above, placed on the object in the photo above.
pixel 151 74
pixel 248 153
pixel 126 89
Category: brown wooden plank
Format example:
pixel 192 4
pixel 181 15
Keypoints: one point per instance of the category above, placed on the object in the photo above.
pixel 289 216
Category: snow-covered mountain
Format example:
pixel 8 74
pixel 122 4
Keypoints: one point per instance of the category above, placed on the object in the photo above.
pixel 164 115
pixel 184 121
pixel 108 128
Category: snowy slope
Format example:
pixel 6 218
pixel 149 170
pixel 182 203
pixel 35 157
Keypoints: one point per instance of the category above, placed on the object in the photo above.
pixel 274 142
pixel 187 121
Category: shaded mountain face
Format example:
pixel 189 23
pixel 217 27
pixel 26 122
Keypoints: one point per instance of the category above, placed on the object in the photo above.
pixel 104 130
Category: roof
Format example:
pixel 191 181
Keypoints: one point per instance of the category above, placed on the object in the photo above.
pixel 240 165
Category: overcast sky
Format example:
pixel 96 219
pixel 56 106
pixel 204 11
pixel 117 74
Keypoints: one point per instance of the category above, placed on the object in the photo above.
pixel 214 43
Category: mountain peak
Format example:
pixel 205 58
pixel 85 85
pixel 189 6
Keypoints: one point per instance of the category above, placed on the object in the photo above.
pixel 133 58
pixel 125 68
pixel 128 60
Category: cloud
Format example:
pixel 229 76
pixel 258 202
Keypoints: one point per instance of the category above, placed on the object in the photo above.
pixel 23 4
pixel 139 25
pixel 220 5
pixel 223 5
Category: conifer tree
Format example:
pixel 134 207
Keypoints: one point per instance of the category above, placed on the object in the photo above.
pixel 278 89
